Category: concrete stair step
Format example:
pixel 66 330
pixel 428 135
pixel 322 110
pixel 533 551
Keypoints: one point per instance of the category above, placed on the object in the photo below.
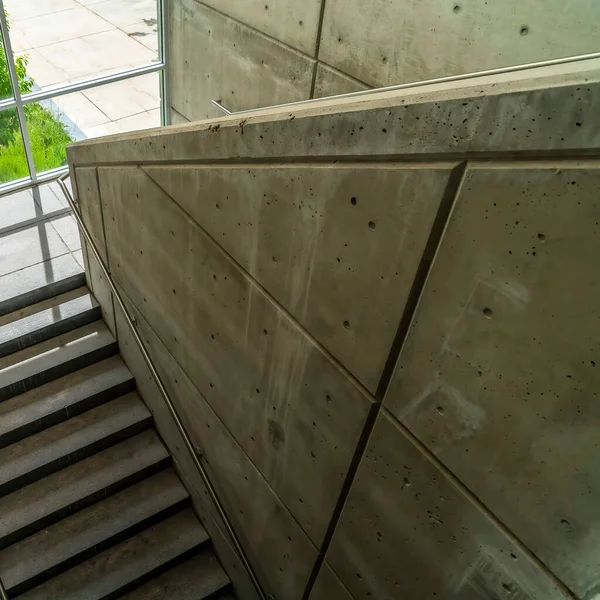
pixel 198 577
pixel 39 322
pixel 44 453
pixel 63 398
pixel 39 282
pixel 77 486
pixel 81 536
pixel 131 563
pixel 54 358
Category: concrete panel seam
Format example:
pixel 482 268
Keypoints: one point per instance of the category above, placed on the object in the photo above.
pixel 477 503
pixel 432 246
pixel 218 418
pixel 336 70
pixel 345 490
pixel 317 48
pixel 182 116
pixel 338 365
pixel 112 300
pixel 102 218
pixel 259 33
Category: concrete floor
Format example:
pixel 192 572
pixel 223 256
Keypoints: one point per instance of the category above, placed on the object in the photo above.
pixel 72 40
pixel 38 238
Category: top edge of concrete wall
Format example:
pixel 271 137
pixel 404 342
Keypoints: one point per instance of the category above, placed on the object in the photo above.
pixel 571 73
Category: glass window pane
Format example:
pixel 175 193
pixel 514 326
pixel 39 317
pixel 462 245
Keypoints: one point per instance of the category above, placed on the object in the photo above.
pixel 5 86
pixel 66 40
pixel 114 108
pixel 13 164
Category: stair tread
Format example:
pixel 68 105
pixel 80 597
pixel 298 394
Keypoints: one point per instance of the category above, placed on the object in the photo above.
pixel 37 282
pixel 62 441
pixel 195 579
pixel 64 395
pixel 26 365
pixel 122 565
pixel 54 494
pixel 37 322
pixel 90 527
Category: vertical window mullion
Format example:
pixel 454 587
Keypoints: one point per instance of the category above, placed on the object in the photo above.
pixel 14 81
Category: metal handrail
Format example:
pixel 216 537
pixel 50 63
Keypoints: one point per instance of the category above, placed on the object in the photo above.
pixel 163 391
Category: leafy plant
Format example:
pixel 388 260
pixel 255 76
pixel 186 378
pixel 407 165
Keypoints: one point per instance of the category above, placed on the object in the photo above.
pixel 8 118
pixel 48 135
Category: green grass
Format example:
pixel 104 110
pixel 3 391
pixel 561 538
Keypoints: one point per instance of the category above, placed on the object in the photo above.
pixel 48 135
pixel 49 139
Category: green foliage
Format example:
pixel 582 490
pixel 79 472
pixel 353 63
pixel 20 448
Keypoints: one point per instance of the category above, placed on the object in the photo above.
pixel 48 142
pixel 48 135
pixel 25 83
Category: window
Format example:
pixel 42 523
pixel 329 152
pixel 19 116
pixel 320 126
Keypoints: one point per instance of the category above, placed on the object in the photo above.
pixel 71 70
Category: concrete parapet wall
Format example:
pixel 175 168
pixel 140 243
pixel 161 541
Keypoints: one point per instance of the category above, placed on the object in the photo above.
pixel 379 322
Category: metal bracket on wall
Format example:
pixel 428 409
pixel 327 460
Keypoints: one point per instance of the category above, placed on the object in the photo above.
pixel 218 104
pixel 233 537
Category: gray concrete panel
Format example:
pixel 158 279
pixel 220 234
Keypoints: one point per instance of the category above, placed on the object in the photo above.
pixel 407 532
pixel 384 43
pixel 177 118
pixel 500 376
pixel 338 255
pixel 286 402
pixel 24 248
pixel 215 57
pixel 289 21
pixel 88 198
pixel 272 537
pixel 330 81
pixel 328 586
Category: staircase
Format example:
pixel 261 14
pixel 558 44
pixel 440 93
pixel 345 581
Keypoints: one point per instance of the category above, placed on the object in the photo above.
pixel 90 506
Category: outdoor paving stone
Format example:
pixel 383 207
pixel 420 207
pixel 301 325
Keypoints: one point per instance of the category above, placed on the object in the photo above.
pixel 29 246
pixel 61 26
pixel 41 71
pixel 26 9
pixel 126 98
pixel 80 110
pixel 92 54
pixel 21 207
pixel 67 229
pixel 122 13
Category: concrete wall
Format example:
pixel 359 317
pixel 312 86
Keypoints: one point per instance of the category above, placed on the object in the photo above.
pixel 253 53
pixel 379 322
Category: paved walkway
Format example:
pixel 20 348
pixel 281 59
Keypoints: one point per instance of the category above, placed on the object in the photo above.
pixel 71 40
pixel 39 240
